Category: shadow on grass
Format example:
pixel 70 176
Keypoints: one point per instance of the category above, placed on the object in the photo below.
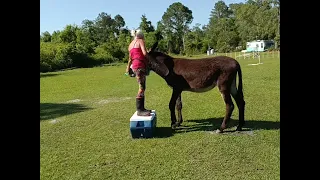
pixel 211 124
pixel 47 75
pixel 163 132
pixel 55 110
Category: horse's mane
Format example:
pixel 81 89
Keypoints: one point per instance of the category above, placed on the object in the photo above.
pixel 158 53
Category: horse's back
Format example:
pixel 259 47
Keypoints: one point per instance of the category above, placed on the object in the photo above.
pixel 204 64
pixel 201 75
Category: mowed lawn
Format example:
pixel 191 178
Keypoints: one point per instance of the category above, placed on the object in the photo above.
pixel 84 128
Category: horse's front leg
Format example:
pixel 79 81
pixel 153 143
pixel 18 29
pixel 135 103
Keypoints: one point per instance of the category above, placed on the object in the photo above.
pixel 179 108
pixel 172 104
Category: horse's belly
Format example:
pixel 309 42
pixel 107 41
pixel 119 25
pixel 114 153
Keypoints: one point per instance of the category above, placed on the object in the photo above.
pixel 200 90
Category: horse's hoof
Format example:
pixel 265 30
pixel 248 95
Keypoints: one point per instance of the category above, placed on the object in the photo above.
pixel 239 128
pixel 173 126
pixel 218 131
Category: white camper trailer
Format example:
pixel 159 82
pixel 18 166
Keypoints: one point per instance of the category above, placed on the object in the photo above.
pixel 258 45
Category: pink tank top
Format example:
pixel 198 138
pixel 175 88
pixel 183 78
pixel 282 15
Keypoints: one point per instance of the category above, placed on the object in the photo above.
pixel 138 60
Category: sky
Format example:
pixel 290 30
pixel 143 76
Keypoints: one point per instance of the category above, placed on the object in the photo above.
pixel 56 14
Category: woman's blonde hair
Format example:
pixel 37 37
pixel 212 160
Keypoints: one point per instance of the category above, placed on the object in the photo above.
pixel 137 33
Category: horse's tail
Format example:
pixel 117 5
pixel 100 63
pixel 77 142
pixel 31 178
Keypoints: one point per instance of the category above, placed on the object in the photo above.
pixel 240 85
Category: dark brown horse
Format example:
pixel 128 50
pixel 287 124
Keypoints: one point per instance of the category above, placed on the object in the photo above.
pixel 200 75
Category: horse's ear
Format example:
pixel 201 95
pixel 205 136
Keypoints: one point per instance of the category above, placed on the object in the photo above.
pixel 154 46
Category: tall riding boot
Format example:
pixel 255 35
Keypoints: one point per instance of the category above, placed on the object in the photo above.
pixel 140 108
pixel 143 108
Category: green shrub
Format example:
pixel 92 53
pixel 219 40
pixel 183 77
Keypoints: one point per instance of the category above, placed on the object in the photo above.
pixel 62 57
pixel 102 56
pixel 57 56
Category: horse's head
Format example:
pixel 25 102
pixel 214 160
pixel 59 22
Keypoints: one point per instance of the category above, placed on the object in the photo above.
pixel 156 61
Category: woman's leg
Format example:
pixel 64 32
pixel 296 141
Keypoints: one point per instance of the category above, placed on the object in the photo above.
pixel 141 78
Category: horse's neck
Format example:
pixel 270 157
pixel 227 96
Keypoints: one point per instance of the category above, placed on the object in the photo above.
pixel 159 74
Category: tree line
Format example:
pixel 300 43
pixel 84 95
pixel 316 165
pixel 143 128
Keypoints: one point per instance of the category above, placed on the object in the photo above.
pixel 105 39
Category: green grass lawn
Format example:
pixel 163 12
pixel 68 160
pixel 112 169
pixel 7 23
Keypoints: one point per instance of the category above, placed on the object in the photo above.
pixel 84 128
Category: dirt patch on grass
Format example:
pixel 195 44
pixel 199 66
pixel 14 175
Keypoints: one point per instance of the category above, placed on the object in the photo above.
pixel 114 99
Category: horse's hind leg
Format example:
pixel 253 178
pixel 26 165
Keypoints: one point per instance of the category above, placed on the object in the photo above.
pixel 238 97
pixel 225 93
pixel 179 108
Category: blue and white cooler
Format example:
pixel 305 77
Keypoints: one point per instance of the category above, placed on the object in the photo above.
pixel 143 126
